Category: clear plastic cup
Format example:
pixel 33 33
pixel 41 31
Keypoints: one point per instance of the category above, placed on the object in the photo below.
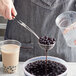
pixel 10 55
pixel 66 21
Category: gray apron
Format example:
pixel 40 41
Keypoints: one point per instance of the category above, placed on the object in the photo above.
pixel 40 16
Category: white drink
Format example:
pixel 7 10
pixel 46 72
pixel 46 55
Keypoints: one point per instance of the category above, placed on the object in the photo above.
pixel 10 57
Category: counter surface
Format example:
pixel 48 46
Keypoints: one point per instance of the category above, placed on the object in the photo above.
pixel 71 70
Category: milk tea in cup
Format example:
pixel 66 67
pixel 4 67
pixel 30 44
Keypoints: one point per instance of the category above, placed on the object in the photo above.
pixel 10 55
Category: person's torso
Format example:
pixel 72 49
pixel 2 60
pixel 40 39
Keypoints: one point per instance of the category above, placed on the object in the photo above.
pixel 40 16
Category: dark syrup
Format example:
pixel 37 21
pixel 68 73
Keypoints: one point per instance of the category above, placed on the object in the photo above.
pixel 37 68
pixel 46 41
pixel 45 67
pixel 46 63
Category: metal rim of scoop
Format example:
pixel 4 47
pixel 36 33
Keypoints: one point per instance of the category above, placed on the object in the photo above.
pixel 48 47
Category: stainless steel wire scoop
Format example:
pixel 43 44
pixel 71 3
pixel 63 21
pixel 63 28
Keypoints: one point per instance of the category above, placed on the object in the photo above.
pixel 48 47
pixel 25 26
pixel 29 29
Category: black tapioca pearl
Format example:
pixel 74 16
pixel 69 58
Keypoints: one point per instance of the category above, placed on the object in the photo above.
pixel 46 40
pixel 9 66
pixel 38 68
pixel 12 70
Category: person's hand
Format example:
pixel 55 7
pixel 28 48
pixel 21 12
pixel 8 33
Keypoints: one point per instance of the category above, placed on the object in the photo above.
pixel 7 8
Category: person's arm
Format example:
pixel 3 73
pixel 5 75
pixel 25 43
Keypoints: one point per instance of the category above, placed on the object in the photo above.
pixel 6 8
